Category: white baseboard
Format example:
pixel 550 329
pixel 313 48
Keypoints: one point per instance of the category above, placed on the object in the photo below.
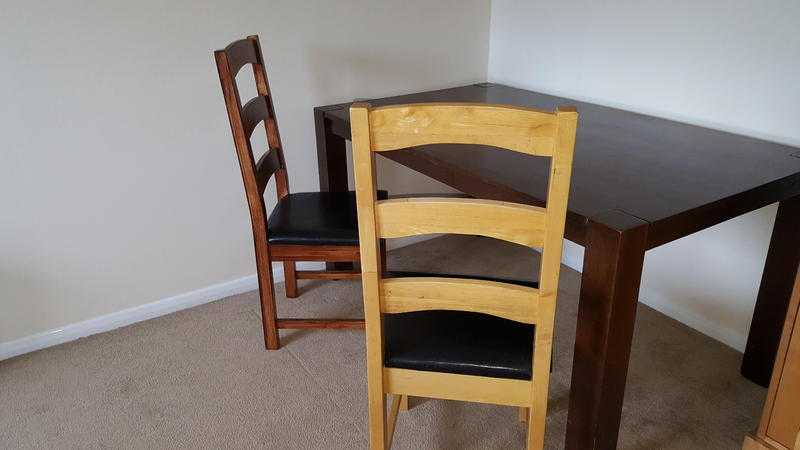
pixel 710 328
pixel 139 313
pixel 573 258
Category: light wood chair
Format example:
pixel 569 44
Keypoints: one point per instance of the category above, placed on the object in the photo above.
pixel 458 339
pixel 309 226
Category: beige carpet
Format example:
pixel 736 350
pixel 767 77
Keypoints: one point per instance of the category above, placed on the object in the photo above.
pixel 200 378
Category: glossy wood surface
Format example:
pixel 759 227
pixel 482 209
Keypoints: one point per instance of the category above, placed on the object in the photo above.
pixel 678 177
pixel 783 260
pixel 401 217
pixel 509 301
pixel 255 175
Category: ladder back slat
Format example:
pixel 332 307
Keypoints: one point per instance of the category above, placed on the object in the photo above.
pixel 254 112
pixel 509 301
pixel 267 165
pixel 520 224
pixel 241 53
pixel 522 130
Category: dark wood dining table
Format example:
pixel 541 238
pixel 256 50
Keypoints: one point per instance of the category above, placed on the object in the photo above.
pixel 638 182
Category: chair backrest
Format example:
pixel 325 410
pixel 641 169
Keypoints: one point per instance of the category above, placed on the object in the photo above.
pixel 244 119
pixel 527 131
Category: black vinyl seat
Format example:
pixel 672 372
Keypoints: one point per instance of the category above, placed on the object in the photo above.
pixel 459 342
pixel 316 218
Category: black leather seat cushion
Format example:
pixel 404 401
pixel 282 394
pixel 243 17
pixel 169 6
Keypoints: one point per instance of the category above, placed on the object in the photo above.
pixel 316 218
pixel 459 342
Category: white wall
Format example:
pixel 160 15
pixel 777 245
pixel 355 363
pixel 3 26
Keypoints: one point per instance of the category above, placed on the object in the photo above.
pixel 726 64
pixel 120 186
pixel 118 180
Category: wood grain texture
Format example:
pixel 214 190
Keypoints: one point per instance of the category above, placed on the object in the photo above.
pixel 615 152
pixel 522 414
pixel 519 303
pixel 364 169
pixel 333 324
pixel 287 252
pixel 229 61
pixel 522 130
pixel 290 278
pixel 394 409
pixel 241 53
pixel 780 358
pixel 612 270
pixel 782 411
pixel 518 129
pixel 405 403
pixel 614 185
pixel 254 112
pixel 520 224
pixel 328 274
pixel 256 175
pixel 774 293
pixel 266 167
pixel 557 199
pixel 450 386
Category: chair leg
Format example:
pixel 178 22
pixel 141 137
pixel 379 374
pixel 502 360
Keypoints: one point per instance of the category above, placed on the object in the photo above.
pixel 404 400
pixel 290 279
pixel 537 412
pixel 377 421
pixel 269 319
pixel 523 414
pixel 397 402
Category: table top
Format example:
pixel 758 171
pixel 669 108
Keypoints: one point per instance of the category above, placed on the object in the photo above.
pixel 680 178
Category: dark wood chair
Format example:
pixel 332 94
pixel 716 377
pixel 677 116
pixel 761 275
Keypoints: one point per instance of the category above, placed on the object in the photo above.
pixel 309 226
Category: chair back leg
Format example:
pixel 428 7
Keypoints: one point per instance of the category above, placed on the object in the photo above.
pixel 290 279
pixel 376 395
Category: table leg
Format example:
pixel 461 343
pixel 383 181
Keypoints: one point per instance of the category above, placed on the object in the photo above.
pixel 782 263
pixel 332 164
pixel 609 294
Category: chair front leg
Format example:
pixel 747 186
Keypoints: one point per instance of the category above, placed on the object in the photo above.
pixel 266 293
